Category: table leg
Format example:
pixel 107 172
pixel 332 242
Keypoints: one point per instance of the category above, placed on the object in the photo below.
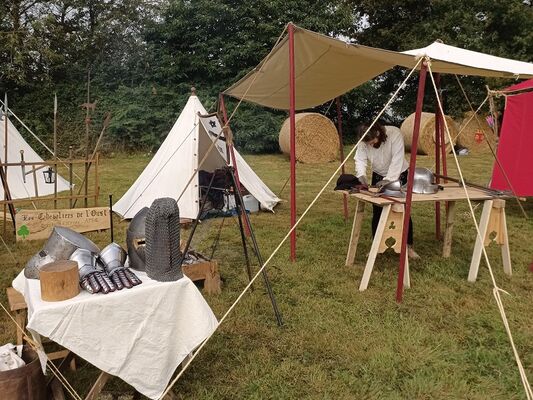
pixel 483 225
pixel 506 253
pixel 450 215
pixel 406 276
pixel 375 247
pixel 98 386
pixel 356 231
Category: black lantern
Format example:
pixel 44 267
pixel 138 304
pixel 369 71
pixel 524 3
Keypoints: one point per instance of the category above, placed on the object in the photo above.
pixel 49 175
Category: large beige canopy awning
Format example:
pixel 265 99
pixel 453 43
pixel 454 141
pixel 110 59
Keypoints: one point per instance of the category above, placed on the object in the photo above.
pixel 326 68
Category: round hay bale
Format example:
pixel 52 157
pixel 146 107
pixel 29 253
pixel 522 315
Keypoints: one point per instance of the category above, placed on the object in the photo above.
pixel 475 134
pixel 317 140
pixel 426 139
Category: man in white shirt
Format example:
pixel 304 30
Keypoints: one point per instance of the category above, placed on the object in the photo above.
pixel 384 150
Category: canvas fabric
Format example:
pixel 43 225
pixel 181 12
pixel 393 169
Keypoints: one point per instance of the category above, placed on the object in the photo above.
pixel 180 154
pixel 516 143
pixel 326 67
pixel 15 178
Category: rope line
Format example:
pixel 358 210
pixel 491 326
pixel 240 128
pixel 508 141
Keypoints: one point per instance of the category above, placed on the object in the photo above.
pixel 496 290
pixel 38 347
pixel 490 147
pixel 204 342
pixel 36 137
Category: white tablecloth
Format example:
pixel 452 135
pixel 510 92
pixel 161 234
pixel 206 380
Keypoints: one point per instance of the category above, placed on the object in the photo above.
pixel 140 335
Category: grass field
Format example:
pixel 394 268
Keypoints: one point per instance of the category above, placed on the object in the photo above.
pixel 445 341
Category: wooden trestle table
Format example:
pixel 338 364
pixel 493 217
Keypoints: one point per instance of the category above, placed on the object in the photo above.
pixel 492 226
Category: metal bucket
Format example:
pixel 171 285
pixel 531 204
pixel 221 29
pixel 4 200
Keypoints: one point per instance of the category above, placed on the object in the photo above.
pixel 24 383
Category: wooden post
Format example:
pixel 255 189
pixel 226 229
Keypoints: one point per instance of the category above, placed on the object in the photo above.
pixel 55 151
pixel 292 118
pixel 35 185
pixel 450 215
pixel 438 145
pixel 231 156
pixel 96 181
pixel 412 165
pixel 70 174
pixel 5 159
pixel 341 153
pixel 87 123
pixel 356 231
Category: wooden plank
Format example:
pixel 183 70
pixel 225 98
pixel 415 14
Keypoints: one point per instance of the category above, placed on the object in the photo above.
pixel 450 216
pixel 38 224
pixel 476 256
pixel 393 229
pixel 15 299
pixel 99 384
pixel 406 275
pixel 506 253
pixel 451 192
pixel 356 232
pixel 375 246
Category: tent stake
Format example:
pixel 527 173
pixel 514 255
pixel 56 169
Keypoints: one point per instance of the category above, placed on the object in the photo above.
pixel 412 165
pixel 292 118
pixel 341 153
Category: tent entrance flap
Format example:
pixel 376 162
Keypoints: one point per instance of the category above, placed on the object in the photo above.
pixel 179 158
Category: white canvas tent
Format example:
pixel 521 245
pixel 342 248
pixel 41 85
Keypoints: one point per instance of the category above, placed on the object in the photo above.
pixel 177 159
pixel 15 179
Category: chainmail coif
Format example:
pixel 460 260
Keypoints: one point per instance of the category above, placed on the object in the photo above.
pixel 163 254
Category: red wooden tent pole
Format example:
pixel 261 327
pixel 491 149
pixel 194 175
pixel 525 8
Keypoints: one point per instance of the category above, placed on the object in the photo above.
pixel 341 151
pixel 292 107
pixel 230 149
pixel 438 145
pixel 412 165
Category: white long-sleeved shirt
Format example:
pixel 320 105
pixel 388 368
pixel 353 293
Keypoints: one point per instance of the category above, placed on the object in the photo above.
pixel 388 160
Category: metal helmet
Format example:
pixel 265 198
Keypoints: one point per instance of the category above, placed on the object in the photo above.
pixel 60 245
pixel 424 181
pixel 136 240
pixel 392 189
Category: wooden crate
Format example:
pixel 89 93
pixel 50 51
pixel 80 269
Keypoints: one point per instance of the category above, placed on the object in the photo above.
pixel 206 271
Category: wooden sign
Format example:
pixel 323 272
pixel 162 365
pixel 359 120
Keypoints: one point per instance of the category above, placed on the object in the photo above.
pixel 38 224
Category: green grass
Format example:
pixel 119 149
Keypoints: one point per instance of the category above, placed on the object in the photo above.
pixel 445 341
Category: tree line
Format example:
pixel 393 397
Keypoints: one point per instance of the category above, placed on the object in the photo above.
pixel 143 56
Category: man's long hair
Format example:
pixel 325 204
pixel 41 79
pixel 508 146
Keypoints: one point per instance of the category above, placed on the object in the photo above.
pixel 377 131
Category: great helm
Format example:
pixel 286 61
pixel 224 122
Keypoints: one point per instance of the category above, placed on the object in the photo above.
pixel 136 240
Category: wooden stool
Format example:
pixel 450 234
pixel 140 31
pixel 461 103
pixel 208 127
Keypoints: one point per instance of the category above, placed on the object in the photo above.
pixel 206 271
pixel 493 228
pixel 390 227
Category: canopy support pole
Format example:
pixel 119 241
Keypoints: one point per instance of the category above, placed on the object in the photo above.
pixel 292 119
pixel 231 153
pixel 438 145
pixel 341 152
pixel 412 165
